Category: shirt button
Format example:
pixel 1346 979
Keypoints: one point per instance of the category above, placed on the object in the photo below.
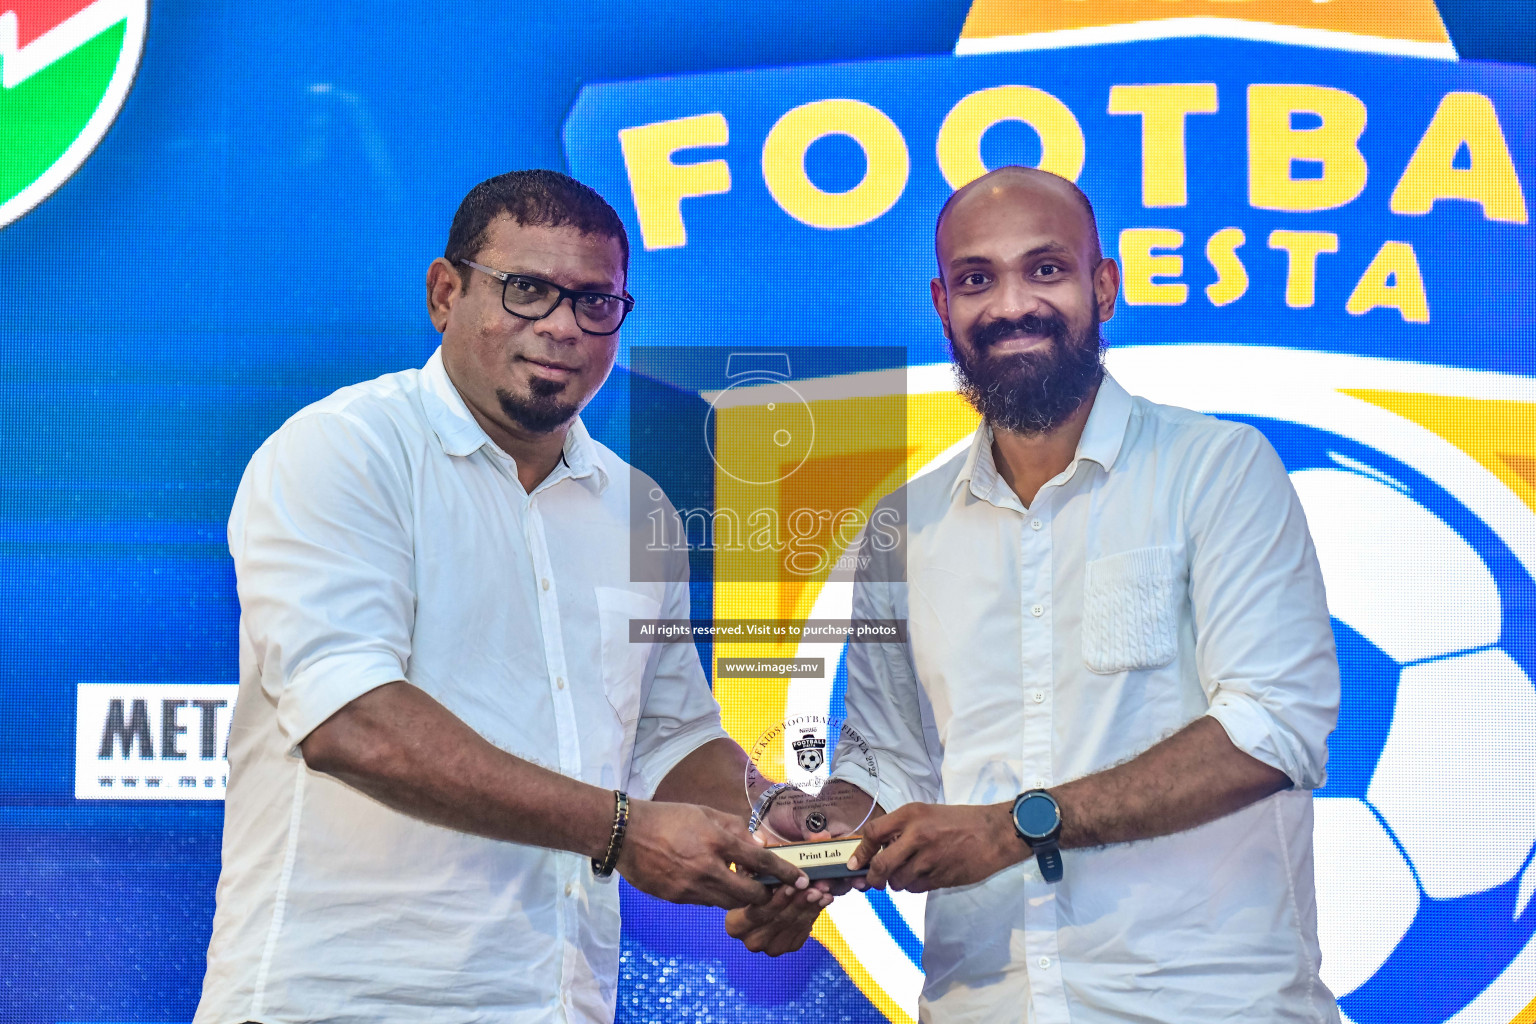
pixel 1045 961
pixel 1039 783
pixel 1037 611
pixel 1039 697
pixel 559 682
pixel 1035 524
pixel 570 889
pixel 545 583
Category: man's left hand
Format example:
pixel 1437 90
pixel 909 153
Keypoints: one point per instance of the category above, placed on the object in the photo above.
pixel 783 923
pixel 920 847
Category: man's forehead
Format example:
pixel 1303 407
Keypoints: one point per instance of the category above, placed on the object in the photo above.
pixel 1025 213
pixel 509 235
pixel 1013 249
pixel 561 249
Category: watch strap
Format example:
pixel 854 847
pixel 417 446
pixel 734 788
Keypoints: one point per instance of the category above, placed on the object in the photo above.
pixel 1048 856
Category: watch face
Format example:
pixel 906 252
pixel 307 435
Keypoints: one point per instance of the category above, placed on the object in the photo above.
pixel 1037 815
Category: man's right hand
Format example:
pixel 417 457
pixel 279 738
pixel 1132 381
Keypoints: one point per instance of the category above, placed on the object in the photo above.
pixel 683 853
pixel 783 923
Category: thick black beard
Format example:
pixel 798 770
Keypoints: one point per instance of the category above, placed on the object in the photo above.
pixel 1030 393
pixel 540 413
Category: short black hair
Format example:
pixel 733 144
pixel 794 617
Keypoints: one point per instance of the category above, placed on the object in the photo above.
pixel 537 198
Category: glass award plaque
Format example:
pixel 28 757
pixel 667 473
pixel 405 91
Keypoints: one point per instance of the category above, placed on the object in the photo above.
pixel 812 783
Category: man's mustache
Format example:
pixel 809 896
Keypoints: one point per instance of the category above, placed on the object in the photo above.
pixel 994 331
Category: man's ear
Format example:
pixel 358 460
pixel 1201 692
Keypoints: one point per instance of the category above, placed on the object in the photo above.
pixel 941 304
pixel 444 286
pixel 1106 287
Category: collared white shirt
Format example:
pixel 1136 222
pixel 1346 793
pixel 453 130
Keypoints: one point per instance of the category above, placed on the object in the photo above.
pixel 380 535
pixel 1167 573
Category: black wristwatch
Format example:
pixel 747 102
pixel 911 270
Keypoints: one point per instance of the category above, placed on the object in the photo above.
pixel 1037 820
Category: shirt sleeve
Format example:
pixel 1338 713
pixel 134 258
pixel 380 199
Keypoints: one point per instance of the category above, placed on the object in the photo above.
pixel 679 714
pixel 1263 641
pixel 321 538
pixel 884 702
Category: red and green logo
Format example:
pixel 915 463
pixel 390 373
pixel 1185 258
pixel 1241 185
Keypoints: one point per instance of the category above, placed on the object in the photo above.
pixel 65 69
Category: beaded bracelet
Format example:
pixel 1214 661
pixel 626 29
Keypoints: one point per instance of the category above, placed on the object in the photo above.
pixel 603 868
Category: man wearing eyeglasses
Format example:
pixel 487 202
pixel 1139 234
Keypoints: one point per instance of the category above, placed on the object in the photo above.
pixel 445 744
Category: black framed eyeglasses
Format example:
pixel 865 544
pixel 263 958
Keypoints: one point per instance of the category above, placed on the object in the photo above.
pixel 533 298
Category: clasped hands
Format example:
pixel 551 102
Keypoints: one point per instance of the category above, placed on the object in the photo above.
pixel 916 848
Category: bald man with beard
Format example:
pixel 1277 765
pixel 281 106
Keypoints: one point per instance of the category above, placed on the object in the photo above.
pixel 1098 744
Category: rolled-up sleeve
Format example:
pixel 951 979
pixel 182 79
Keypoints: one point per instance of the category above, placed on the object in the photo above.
pixel 320 533
pixel 1264 646
pixel 886 706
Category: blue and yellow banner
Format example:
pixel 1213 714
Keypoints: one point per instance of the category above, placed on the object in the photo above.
pixel 210 219
pixel 1327 243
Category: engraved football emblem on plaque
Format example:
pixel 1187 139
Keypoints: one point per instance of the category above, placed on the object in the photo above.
pixel 810 750
pixel 812 783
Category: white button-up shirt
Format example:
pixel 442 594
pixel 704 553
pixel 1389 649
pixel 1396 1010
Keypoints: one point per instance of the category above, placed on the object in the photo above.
pixel 380 535
pixel 1165 574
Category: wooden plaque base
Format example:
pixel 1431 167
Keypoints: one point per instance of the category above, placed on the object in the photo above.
pixel 825 859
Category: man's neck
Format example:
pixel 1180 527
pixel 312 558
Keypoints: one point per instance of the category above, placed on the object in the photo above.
pixel 536 454
pixel 1026 462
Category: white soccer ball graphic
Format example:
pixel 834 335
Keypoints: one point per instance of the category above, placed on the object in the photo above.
pixel 1424 832
pixel 1427 818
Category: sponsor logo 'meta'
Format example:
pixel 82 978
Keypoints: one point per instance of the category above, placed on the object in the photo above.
pixel 65 69
pixel 152 741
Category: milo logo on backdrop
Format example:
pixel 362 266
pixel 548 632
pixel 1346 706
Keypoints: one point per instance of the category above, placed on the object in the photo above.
pixel 65 69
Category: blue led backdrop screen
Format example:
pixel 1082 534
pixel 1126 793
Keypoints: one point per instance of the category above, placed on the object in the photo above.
pixel 212 215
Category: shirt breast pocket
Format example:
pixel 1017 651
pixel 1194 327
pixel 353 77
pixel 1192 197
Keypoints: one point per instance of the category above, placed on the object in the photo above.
pixel 623 662
pixel 1131 605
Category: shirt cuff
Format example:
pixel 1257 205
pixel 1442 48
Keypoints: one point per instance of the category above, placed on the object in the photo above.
pixel 1254 730
pixel 319 690
pixel 647 770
